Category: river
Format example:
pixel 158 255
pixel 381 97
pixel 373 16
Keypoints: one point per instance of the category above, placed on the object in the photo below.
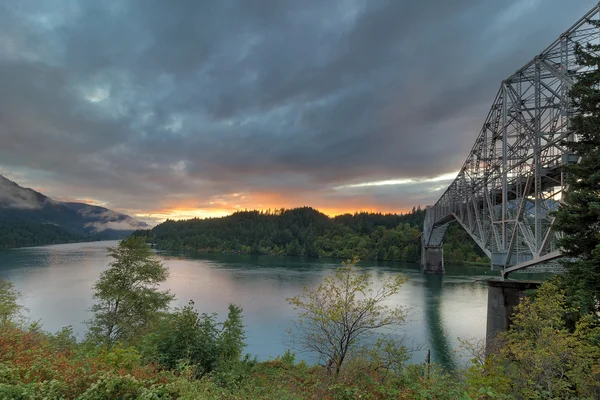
pixel 56 283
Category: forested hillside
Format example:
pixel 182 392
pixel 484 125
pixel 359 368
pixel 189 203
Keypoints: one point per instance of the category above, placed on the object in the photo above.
pixel 19 232
pixel 307 232
pixel 459 247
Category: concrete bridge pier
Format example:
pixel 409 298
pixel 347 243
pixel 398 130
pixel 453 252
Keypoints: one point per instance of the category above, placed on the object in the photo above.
pixel 503 297
pixel 432 259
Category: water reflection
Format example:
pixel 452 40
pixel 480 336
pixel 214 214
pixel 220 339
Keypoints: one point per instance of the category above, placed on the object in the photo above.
pixel 438 336
pixel 57 282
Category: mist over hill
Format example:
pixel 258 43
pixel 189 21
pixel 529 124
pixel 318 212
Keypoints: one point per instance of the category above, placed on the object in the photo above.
pixel 28 218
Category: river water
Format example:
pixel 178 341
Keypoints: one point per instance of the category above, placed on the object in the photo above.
pixel 56 283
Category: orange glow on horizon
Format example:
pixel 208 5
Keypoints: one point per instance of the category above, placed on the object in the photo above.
pixel 227 204
pixel 189 213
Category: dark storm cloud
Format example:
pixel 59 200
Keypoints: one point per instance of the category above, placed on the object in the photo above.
pixel 140 103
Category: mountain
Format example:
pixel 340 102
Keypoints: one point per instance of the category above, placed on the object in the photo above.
pixel 27 217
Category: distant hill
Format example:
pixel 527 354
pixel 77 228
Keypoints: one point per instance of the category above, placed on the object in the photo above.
pixel 29 218
pixel 307 232
pixel 297 232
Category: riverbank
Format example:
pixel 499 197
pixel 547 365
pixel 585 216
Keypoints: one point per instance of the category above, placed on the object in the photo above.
pixel 247 252
pixel 39 365
pixel 477 264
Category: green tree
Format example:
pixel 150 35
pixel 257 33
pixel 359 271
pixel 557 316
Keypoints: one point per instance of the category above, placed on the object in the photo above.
pixel 344 313
pixel 578 218
pixel 231 343
pixel 10 309
pixel 127 295
pixel 541 357
pixel 184 336
pixel 232 367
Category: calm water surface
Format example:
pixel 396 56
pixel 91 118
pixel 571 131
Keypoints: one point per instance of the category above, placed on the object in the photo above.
pixel 56 284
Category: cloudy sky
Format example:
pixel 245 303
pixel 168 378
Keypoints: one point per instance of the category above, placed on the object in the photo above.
pixel 198 108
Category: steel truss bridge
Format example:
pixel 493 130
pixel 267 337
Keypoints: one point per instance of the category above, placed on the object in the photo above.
pixel 514 178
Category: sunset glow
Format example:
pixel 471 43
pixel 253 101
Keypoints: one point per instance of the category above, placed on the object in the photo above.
pixel 223 208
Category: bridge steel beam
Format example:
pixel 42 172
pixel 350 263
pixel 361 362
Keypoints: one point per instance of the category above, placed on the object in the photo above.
pixel 513 178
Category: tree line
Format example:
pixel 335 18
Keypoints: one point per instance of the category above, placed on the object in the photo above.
pixel 307 232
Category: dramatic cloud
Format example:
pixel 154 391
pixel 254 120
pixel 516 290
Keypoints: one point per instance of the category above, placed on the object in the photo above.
pixel 192 108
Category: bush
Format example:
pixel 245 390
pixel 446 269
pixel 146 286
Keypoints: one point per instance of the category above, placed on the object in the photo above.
pixel 38 365
pixel 198 343
pixel 540 357
pixel 47 390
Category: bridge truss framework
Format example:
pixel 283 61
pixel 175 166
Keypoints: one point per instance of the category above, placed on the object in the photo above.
pixel 514 178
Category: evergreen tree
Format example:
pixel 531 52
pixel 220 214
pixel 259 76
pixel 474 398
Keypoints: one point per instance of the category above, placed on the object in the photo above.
pixel 232 338
pixel 578 218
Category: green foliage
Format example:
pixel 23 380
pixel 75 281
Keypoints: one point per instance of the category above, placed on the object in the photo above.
pixel 484 377
pixel 460 248
pixel 196 343
pixel 307 232
pixel 36 365
pixel 578 217
pixel 111 386
pixel 539 357
pixel 78 372
pixel 63 340
pixel 19 232
pixel 288 357
pixel 343 312
pixel 10 309
pixel 184 338
pixel 127 295
pixel 54 390
pixel 125 387
pixel 232 368
pixel 420 381
pixel 231 341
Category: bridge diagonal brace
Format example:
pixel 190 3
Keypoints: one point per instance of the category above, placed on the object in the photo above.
pixel 515 231
pixel 564 78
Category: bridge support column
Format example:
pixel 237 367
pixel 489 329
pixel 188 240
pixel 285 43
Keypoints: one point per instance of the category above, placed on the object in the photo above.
pixel 432 259
pixel 503 297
